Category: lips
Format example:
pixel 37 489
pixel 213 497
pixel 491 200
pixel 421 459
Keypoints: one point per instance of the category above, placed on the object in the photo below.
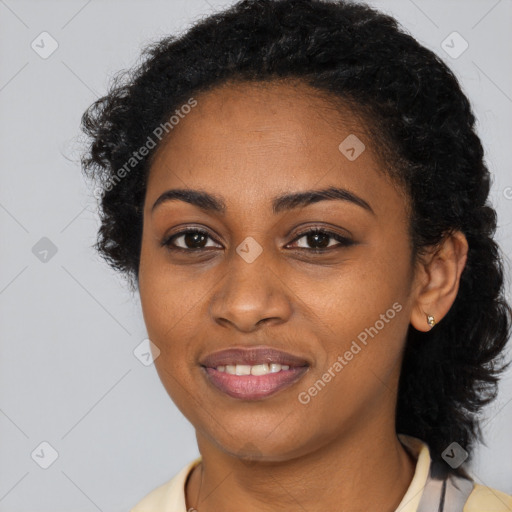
pixel 252 356
pixel 253 373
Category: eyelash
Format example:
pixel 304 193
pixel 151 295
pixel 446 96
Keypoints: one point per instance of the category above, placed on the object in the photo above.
pixel 343 242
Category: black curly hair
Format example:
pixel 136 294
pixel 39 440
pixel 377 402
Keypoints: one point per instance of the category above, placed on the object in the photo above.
pixel 424 129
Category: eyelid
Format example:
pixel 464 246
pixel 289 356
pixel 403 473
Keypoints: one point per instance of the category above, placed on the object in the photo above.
pixel 326 227
pixel 319 229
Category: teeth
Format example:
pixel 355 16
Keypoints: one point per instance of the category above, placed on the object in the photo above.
pixel 243 369
pixel 257 369
pixel 275 367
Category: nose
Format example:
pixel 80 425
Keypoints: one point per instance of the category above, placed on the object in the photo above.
pixel 251 294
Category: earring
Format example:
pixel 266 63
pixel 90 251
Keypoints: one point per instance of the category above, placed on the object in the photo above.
pixel 431 321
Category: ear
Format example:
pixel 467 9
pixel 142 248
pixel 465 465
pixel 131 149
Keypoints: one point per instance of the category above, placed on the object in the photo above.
pixel 437 280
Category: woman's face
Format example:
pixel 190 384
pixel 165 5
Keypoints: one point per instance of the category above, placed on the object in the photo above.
pixel 258 280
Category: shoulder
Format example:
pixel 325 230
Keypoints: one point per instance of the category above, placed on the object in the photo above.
pixel 168 497
pixel 487 499
pixel 154 499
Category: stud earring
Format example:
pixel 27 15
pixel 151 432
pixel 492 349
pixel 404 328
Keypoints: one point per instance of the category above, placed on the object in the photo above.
pixel 431 321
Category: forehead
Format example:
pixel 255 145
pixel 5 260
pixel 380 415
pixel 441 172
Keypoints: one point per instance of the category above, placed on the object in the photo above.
pixel 252 140
pixel 288 112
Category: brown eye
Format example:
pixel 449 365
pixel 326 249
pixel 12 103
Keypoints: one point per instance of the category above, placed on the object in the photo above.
pixel 188 240
pixel 319 240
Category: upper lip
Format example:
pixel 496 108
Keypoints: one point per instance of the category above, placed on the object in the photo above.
pixel 251 356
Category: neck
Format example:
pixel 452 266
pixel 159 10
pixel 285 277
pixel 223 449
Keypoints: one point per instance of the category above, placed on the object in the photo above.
pixel 367 469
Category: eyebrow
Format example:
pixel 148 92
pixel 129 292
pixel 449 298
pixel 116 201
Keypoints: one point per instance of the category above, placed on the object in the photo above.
pixel 212 203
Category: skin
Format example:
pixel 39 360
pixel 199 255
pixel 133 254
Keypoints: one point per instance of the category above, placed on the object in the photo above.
pixel 248 143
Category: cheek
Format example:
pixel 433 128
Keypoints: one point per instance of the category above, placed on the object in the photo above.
pixel 170 315
pixel 168 305
pixel 363 309
pixel 383 273
pixel 357 294
pixel 168 311
pixel 367 325
pixel 164 294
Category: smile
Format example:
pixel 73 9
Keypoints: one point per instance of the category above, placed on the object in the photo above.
pixel 253 373
pixel 249 384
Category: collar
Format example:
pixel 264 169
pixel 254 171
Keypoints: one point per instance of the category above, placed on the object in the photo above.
pixel 419 451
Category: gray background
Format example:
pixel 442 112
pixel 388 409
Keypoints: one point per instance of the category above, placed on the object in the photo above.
pixel 69 326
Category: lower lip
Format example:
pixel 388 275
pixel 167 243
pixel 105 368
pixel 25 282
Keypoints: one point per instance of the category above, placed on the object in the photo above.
pixel 254 387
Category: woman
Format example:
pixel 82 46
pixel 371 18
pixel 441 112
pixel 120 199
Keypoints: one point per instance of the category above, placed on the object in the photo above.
pixel 297 192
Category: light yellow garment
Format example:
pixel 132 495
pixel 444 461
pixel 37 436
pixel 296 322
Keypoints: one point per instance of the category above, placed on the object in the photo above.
pixel 170 497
